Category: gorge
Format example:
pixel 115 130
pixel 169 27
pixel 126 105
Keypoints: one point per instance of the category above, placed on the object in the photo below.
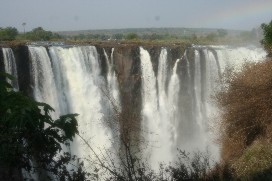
pixel 160 96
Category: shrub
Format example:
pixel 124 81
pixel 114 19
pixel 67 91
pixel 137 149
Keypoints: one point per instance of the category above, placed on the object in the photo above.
pixel 8 33
pixel 246 121
pixel 267 40
pixel 247 105
pixel 31 140
pixel 255 160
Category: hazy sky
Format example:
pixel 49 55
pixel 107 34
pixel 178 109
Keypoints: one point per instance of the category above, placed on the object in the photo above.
pixel 58 15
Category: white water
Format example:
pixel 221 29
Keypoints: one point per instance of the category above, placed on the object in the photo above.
pixel 10 66
pixel 182 114
pixel 173 94
pixel 73 84
pixel 78 71
pixel 235 57
pixel 150 114
pixel 43 83
pixel 112 83
pixel 177 111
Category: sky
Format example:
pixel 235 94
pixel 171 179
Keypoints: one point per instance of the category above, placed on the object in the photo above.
pixel 68 15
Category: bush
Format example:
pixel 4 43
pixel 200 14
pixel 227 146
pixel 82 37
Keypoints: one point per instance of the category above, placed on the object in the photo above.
pixel 131 36
pixel 267 40
pixel 255 160
pixel 7 34
pixel 39 34
pixel 246 119
pixel 31 140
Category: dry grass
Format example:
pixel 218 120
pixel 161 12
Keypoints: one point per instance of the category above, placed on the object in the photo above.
pixel 247 118
pixel 256 159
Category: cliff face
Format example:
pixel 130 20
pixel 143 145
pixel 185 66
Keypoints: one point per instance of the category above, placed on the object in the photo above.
pixel 2 66
pixel 126 64
pixel 21 55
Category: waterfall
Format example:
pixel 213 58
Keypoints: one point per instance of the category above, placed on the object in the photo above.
pixel 173 116
pixel 78 74
pixel 177 110
pixel 43 83
pixel 112 104
pixel 70 80
pixel 164 129
pixel 112 84
pixel 235 57
pixel 150 113
pixel 173 94
pixel 10 66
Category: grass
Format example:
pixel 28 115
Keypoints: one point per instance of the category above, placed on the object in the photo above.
pixel 256 159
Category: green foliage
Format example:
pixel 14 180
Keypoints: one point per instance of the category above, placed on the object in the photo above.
pixel 118 36
pixel 222 32
pixel 29 135
pixel 267 40
pixel 255 160
pixel 39 34
pixel 211 36
pixel 7 34
pixel 131 36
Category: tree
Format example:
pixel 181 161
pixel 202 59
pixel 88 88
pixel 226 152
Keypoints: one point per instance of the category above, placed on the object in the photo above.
pixel 39 34
pixel 246 122
pixel 8 33
pixel 118 36
pixel 24 24
pixel 222 32
pixel 267 40
pixel 30 139
pixel 211 36
pixel 131 36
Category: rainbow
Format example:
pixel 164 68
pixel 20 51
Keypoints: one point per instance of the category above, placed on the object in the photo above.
pixel 243 11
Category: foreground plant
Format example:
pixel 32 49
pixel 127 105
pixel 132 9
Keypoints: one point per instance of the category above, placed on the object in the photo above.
pixel 31 141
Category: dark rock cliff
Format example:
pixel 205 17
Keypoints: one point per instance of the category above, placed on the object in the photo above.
pixel 2 66
pixel 21 55
pixel 127 66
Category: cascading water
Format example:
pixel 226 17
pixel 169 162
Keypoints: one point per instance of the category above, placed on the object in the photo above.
pixel 150 113
pixel 112 83
pixel 10 66
pixel 43 83
pixel 73 76
pixel 181 117
pixel 176 111
pixel 77 71
pixel 155 111
pixel 235 57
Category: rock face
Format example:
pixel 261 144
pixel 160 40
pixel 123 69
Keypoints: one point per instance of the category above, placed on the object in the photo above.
pixel 127 67
pixel 2 69
pixel 126 63
pixel 163 92
pixel 21 55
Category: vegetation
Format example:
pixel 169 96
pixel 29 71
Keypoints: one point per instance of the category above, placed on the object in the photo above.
pixel 131 36
pixel 169 35
pixel 246 123
pixel 267 40
pixel 8 34
pixel 222 32
pixel 31 141
pixel 39 34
